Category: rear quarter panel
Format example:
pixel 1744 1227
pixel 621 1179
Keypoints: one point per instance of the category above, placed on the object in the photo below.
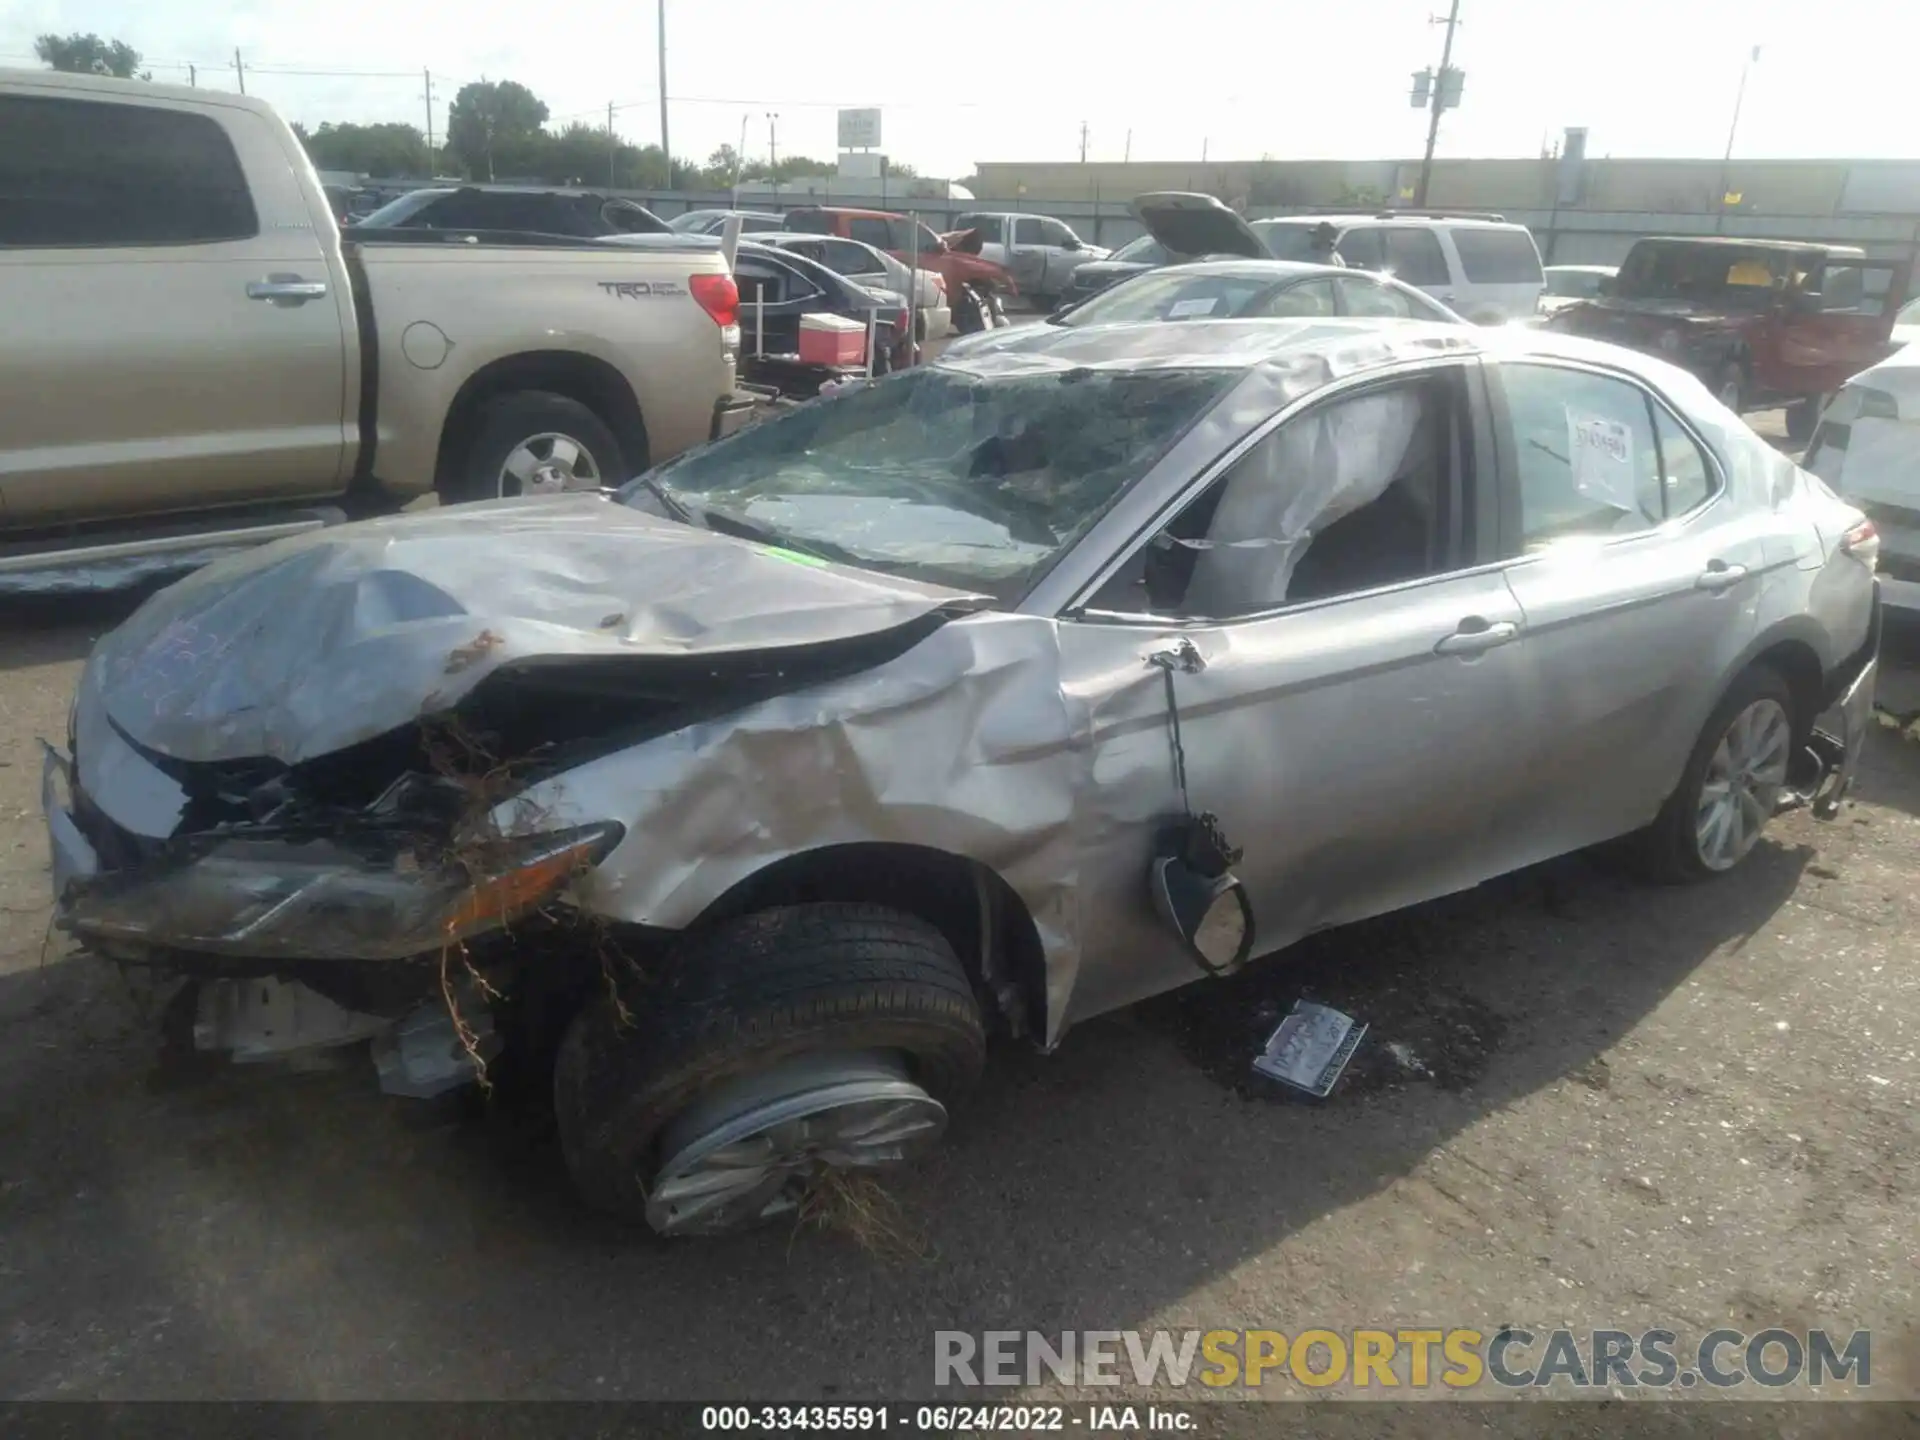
pixel 443 313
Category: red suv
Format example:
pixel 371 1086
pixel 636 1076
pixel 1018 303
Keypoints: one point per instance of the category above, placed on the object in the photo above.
pixel 1762 322
pixel 974 285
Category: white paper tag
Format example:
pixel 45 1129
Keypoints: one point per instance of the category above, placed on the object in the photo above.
pixel 1602 451
pixel 1186 309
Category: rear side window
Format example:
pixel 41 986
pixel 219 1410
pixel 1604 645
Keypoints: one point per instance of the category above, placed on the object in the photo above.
pixel 871 232
pixel 1414 257
pixel 79 173
pixel 1363 249
pixel 810 222
pixel 1497 257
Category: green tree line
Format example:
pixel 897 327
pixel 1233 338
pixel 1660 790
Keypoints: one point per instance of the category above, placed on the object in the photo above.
pixel 496 130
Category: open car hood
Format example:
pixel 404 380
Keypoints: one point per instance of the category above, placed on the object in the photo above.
pixel 313 644
pixel 1194 225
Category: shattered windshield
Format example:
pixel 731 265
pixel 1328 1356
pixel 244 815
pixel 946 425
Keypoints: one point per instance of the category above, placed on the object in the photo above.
pixel 977 482
pixel 1722 275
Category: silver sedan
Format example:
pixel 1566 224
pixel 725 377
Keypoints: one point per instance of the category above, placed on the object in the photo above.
pixel 994 695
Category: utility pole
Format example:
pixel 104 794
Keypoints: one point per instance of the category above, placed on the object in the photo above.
pixel 1083 142
pixel 1435 104
pixel 193 77
pixel 666 148
pixel 773 151
pixel 1726 161
pixel 427 75
pixel 240 69
pixel 613 151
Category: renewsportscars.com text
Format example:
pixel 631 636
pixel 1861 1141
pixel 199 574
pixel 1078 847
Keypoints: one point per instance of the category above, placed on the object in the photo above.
pixel 1409 1358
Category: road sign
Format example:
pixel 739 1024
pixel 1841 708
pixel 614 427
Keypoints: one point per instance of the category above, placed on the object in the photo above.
pixel 859 129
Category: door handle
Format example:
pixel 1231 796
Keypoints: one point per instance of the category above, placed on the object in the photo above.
pixel 286 289
pixel 1475 637
pixel 1718 576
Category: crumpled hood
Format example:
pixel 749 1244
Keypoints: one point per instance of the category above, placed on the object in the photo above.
pixel 304 647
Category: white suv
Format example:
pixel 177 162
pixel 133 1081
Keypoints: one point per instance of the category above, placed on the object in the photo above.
pixel 1478 265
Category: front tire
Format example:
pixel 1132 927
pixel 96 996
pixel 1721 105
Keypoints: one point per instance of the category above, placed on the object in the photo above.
pixel 535 443
pixel 1729 789
pixel 777 1045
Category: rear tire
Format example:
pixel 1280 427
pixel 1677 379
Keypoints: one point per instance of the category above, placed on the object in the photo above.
pixel 1670 850
pixel 531 421
pixel 1803 416
pixel 745 999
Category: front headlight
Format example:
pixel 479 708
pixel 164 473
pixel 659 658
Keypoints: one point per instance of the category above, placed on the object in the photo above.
pixel 321 900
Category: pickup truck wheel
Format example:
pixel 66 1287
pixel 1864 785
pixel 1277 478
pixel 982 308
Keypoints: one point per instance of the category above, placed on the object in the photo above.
pixel 1802 416
pixel 1730 387
pixel 970 312
pixel 774 1047
pixel 536 443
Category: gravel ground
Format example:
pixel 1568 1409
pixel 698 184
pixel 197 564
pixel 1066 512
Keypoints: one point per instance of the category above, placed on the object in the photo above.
pixel 1612 1107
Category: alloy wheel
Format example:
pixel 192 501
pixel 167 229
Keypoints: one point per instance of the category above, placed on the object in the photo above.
pixel 1742 785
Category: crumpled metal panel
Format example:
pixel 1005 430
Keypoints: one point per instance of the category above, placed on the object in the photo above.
pixel 969 743
pixel 310 645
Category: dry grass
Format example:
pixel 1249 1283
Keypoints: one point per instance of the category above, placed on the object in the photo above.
pixel 854 1203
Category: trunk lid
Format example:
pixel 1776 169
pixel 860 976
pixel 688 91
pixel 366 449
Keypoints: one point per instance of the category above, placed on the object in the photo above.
pixel 310 645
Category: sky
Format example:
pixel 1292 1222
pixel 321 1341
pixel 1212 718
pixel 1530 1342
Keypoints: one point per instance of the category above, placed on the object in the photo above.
pixel 972 80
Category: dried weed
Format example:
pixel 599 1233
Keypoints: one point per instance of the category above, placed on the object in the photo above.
pixel 854 1203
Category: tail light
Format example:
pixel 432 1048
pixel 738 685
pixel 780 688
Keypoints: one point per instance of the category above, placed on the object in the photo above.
pixel 1863 543
pixel 718 296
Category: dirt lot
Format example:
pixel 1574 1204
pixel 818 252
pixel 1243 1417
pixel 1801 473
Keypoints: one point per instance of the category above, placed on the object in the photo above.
pixel 1615 1107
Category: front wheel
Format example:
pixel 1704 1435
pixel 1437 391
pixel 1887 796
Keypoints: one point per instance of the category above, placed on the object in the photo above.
pixel 777 1047
pixel 1730 788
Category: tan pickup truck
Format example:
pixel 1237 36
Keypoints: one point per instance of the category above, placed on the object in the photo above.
pixel 194 360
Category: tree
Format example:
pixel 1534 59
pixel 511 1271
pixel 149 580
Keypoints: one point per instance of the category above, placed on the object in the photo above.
pixel 383 151
pixel 495 124
pixel 90 55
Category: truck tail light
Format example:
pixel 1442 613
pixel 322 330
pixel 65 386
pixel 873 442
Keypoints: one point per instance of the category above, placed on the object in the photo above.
pixel 1863 543
pixel 718 296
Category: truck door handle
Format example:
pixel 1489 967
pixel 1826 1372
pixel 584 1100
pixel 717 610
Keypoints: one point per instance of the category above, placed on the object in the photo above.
pixel 1475 637
pixel 1718 576
pixel 286 289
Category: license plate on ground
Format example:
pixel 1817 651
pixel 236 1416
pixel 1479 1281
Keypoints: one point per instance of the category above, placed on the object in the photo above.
pixel 1310 1048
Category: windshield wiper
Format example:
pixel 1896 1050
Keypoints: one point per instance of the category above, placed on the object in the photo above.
pixel 674 508
pixel 724 523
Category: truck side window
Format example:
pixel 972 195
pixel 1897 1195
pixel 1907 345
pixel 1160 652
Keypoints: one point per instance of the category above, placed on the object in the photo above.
pixel 870 232
pixel 84 173
pixel 1026 231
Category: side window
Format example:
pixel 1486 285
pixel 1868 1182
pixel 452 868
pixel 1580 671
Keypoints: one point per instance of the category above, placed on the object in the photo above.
pixel 1686 477
pixel 1414 256
pixel 810 222
pixel 1363 296
pixel 1352 495
pixel 989 226
pixel 82 173
pixel 1309 297
pixel 1497 257
pixel 1363 249
pixel 870 232
pixel 625 219
pixel 763 280
pixel 848 259
pixel 1585 454
pixel 761 225
pixel 1053 233
pixel 1026 231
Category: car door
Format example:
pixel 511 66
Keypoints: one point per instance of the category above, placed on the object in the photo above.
pixel 1637 581
pixel 1844 327
pixel 179 331
pixel 1059 254
pixel 1353 669
pixel 1027 254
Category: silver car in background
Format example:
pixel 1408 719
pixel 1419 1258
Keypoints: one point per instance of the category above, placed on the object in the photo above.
pixel 997 694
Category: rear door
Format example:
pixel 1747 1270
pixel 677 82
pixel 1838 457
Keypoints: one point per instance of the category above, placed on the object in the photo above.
pixel 1027 255
pixel 1414 257
pixel 1500 271
pixel 178 330
pixel 1637 577
pixel 1819 349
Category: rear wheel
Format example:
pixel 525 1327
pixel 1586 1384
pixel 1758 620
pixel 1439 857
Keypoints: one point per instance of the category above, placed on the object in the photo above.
pixel 1802 416
pixel 537 443
pixel 779 1046
pixel 1730 788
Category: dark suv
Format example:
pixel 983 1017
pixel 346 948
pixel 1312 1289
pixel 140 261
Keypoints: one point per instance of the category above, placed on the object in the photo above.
pixel 1762 322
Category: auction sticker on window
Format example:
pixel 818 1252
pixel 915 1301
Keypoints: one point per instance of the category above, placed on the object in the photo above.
pixel 1187 309
pixel 1602 452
